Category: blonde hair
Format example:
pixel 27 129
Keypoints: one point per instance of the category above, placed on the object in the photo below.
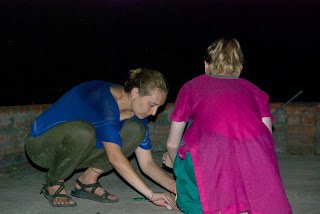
pixel 146 80
pixel 224 57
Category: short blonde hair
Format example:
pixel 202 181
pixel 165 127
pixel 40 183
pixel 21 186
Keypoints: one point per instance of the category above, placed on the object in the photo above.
pixel 224 57
pixel 146 80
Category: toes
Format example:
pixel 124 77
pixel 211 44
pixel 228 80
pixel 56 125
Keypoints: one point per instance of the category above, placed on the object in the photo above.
pixel 113 197
pixel 62 201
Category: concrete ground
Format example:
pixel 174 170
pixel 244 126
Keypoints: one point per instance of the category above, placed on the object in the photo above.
pixel 20 187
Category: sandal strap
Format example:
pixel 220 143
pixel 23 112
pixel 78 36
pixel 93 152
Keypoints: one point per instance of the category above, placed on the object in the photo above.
pixel 105 194
pixel 57 192
pixel 60 196
pixel 93 186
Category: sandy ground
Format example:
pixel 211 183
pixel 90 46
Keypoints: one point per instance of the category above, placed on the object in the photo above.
pixel 20 187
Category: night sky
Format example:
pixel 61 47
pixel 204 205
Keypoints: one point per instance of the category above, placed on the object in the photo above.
pixel 49 46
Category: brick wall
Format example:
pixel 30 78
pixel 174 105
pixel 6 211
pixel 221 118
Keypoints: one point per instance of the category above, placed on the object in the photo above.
pixel 15 122
pixel 296 129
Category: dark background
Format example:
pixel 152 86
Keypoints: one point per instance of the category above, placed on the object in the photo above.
pixel 49 46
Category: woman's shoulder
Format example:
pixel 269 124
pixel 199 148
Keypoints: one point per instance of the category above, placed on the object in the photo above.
pixel 253 87
pixel 196 79
pixel 117 91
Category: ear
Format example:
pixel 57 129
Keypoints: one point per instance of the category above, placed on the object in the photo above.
pixel 134 92
pixel 206 66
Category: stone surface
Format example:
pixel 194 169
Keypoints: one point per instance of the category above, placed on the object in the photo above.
pixel 20 187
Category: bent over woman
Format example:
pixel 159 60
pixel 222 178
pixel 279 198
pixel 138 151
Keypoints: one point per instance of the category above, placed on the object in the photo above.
pixel 96 126
pixel 227 161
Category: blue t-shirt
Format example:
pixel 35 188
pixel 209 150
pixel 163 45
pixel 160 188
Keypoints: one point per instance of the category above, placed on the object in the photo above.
pixel 92 102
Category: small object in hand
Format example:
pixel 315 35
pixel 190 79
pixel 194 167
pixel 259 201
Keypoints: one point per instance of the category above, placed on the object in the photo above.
pixel 169 207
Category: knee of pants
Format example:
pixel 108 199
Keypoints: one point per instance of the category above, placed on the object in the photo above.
pixel 134 129
pixel 82 133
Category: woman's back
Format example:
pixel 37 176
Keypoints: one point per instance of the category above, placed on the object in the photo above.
pixel 232 150
pixel 227 106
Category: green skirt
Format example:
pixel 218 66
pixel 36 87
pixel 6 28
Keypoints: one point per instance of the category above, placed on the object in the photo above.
pixel 188 199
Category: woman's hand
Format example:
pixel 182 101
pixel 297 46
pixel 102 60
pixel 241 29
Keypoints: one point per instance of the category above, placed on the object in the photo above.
pixel 166 160
pixel 164 200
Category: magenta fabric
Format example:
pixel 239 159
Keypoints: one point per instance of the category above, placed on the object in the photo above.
pixel 233 152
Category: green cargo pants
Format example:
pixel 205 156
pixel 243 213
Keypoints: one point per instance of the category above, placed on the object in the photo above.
pixel 71 145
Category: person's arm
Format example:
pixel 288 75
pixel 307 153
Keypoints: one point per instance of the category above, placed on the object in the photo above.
pixel 175 135
pixel 124 168
pixel 153 170
pixel 268 122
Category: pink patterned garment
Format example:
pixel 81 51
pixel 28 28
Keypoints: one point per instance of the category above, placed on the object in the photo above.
pixel 233 152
